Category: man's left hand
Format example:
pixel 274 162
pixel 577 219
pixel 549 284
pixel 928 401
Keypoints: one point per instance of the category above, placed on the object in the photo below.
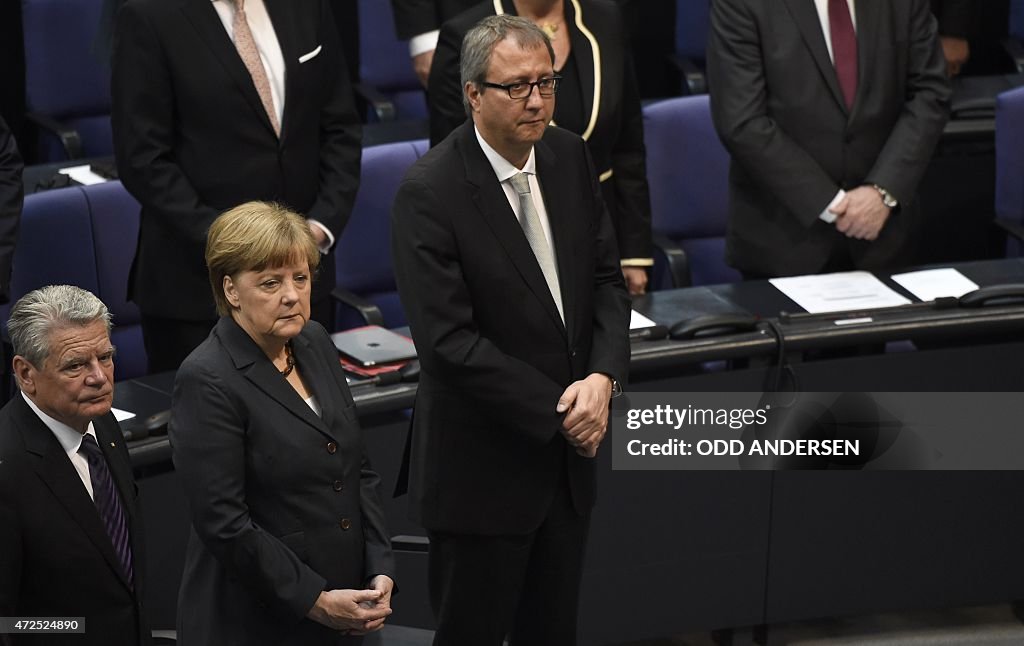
pixel 586 421
pixel 318 235
pixel 861 214
pixel 636 280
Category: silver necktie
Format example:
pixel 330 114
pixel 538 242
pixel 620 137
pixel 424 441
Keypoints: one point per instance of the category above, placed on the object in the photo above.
pixel 530 222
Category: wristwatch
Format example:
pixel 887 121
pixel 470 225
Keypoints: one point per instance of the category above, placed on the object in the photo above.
pixel 887 198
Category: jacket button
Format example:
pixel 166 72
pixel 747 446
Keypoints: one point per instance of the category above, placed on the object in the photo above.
pixel 338 485
pixel 345 524
pixel 332 448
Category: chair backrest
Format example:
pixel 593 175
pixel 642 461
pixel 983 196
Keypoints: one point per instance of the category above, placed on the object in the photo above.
pixel 384 62
pixel 1010 162
pixel 115 230
pixel 688 173
pixel 363 253
pixel 54 245
pixel 64 78
pixel 693 19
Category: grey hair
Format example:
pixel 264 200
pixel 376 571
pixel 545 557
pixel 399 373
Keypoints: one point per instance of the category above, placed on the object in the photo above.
pixel 38 313
pixel 480 41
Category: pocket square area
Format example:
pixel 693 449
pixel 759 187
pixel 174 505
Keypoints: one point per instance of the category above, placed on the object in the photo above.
pixel 306 57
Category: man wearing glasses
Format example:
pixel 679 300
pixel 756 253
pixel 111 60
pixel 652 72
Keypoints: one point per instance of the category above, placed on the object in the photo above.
pixel 506 264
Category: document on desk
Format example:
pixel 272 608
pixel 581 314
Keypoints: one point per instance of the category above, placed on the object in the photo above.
pixel 82 174
pixel 638 321
pixel 930 284
pixel 840 292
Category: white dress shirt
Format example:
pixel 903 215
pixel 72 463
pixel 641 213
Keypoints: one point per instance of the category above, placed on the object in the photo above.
pixel 826 27
pixel 505 170
pixel 265 37
pixel 70 440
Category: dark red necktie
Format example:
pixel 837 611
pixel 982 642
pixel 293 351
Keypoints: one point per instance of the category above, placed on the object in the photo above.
pixel 844 48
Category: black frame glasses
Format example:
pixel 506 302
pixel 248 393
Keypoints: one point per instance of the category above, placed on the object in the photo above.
pixel 523 90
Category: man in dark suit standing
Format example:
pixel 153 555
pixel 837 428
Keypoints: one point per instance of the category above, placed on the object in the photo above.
pixel 216 104
pixel 505 260
pixel 831 110
pixel 70 530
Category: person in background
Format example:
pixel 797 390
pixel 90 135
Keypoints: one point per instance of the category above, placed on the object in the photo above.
pixel 597 99
pixel 215 104
pixel 71 541
pixel 288 542
pixel 831 111
pixel 12 194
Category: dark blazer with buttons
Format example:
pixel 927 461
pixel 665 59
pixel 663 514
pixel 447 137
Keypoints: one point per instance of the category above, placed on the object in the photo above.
pixel 778 109
pixel 192 138
pixel 56 559
pixel 615 129
pixel 284 503
pixel 487 455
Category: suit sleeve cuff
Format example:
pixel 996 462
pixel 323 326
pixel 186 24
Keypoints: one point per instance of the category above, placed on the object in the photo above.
pixel 423 43
pixel 637 262
pixel 827 215
pixel 326 247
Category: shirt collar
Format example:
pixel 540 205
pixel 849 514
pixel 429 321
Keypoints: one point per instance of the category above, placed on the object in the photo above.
pixel 502 167
pixel 70 439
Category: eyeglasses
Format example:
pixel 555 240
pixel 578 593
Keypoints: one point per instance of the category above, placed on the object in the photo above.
pixel 547 86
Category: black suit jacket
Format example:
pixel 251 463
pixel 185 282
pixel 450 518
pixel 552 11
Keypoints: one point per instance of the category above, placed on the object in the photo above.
pixel 486 451
pixel 192 138
pixel 12 193
pixel 284 503
pixel 615 129
pixel 415 17
pixel 56 559
pixel 778 108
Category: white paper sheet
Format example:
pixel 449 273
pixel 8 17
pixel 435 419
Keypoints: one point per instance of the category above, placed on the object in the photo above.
pixel 121 415
pixel 930 284
pixel 840 292
pixel 638 321
pixel 82 175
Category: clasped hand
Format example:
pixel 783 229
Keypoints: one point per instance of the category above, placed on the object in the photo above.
pixel 861 213
pixel 355 612
pixel 586 421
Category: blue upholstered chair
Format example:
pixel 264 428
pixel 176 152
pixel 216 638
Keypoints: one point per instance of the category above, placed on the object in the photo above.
pixel 688 172
pixel 1010 168
pixel 67 86
pixel 693 20
pixel 386 79
pixel 115 229
pixel 366 290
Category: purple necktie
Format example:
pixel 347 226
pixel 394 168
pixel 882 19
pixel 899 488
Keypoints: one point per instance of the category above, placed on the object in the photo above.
pixel 844 48
pixel 108 502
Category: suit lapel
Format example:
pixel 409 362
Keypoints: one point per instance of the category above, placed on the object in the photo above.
pixel 284 27
pixel 868 14
pixel 317 375
pixel 260 371
pixel 587 51
pixel 56 471
pixel 205 20
pixel 494 208
pixel 805 15
pixel 559 204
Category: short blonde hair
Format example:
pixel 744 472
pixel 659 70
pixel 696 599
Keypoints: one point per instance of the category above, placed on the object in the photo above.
pixel 252 237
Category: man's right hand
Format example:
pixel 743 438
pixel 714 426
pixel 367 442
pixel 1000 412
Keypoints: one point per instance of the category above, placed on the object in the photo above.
pixel 861 213
pixel 341 609
pixel 421 65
